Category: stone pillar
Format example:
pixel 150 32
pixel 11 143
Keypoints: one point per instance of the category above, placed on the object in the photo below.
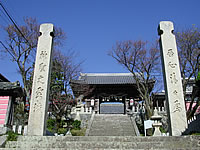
pixel 82 109
pixel 19 131
pixel 90 109
pixel 41 82
pixel 133 108
pixel 126 105
pixel 77 115
pixel 97 105
pixel 172 79
pixel 86 109
pixel 25 130
pixel 14 128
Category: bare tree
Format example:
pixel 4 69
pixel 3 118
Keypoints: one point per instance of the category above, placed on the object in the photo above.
pixel 20 45
pixel 64 69
pixel 189 57
pixel 142 62
pixel 70 67
pixel 59 106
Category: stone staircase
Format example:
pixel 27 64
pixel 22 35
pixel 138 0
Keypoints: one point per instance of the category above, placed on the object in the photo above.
pixel 108 132
pixel 111 125
pixel 103 142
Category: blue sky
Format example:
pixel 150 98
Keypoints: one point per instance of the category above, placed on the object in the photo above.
pixel 93 26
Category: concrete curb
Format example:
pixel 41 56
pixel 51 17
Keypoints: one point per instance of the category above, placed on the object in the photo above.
pixel 90 124
pixel 3 140
pixel 137 132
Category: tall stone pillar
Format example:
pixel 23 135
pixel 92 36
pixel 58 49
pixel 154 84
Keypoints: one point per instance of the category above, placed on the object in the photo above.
pixel 172 79
pixel 41 82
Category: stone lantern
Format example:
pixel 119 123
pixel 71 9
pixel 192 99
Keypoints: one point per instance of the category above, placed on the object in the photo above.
pixel 157 123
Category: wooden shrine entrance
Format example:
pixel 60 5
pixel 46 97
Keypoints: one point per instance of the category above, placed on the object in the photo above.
pixel 112 105
pixel 105 92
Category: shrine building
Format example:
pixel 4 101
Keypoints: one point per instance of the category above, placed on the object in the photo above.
pixel 9 91
pixel 107 93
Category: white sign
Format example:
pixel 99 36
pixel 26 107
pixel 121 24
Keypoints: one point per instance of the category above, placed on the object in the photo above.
pixel 131 102
pixel 147 125
pixel 92 102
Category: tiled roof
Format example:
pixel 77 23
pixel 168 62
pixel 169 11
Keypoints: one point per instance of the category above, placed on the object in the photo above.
pixel 9 85
pixel 11 89
pixel 106 78
pixel 3 79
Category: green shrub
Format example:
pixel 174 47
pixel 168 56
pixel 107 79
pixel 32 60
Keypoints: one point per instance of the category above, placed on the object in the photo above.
pixel 150 132
pixel 198 76
pixel 62 123
pixel 11 136
pixel 142 135
pixel 76 124
pixel 76 132
pixel 51 124
pixel 194 133
pixel 140 128
pixel 162 130
pixel 62 131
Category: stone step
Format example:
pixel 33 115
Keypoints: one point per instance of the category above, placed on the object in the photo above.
pixel 100 133
pixel 110 115
pixel 117 121
pixel 110 138
pixel 106 142
pixel 103 145
pixel 111 125
pixel 81 149
pixel 113 130
pixel 99 123
pixel 111 121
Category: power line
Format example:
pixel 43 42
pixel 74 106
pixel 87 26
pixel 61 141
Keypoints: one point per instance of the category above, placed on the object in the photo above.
pixel 3 16
pixel 7 49
pixel 14 23
pixel 12 11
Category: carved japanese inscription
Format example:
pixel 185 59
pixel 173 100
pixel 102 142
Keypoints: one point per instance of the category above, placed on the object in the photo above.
pixel 177 106
pixel 41 82
pixel 172 65
pixel 170 52
pixel 175 92
pixel 172 76
pixel 43 55
pixel 42 67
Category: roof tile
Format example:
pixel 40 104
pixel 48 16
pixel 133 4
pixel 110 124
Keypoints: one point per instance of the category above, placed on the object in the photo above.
pixel 117 78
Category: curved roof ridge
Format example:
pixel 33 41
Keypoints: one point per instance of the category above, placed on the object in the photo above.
pixel 106 74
